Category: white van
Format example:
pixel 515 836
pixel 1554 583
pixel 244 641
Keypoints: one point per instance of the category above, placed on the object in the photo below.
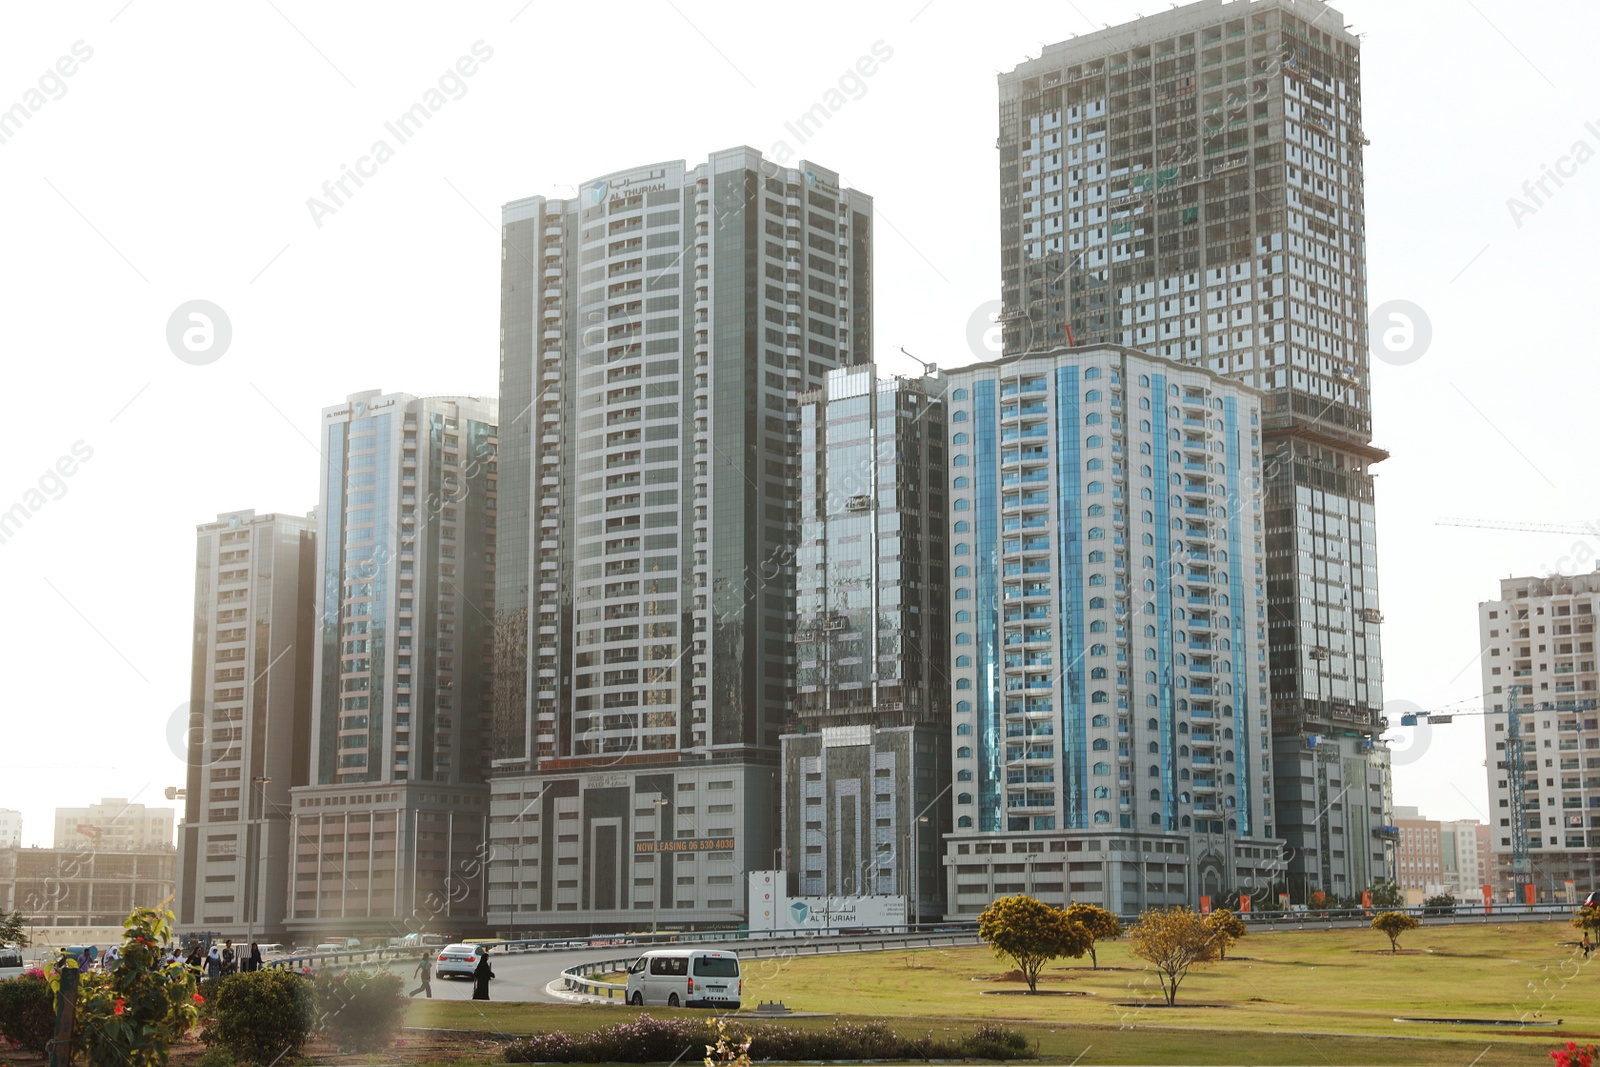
pixel 694 978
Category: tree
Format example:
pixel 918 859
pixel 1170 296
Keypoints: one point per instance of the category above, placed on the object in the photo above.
pixel 1387 895
pixel 1173 940
pixel 1587 920
pixel 1394 923
pixel 1031 933
pixel 1098 923
pixel 13 929
pixel 1439 904
pixel 1227 928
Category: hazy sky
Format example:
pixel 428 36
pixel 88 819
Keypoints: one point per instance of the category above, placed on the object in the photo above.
pixel 175 161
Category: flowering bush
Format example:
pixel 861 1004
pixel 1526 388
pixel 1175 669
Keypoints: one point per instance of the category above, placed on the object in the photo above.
pixel 133 1015
pixel 360 1010
pixel 1571 1055
pixel 649 1040
pixel 261 1016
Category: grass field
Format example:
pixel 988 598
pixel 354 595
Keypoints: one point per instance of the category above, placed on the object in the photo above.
pixel 1326 997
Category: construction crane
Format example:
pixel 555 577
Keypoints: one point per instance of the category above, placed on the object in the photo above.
pixel 1587 528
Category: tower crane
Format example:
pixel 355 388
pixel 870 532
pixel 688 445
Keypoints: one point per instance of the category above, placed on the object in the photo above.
pixel 1580 529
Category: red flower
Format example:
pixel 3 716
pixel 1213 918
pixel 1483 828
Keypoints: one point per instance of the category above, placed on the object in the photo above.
pixel 118 1008
pixel 198 999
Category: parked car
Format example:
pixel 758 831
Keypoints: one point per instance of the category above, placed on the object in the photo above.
pixel 1592 900
pixel 330 946
pixel 271 948
pixel 456 961
pixel 695 978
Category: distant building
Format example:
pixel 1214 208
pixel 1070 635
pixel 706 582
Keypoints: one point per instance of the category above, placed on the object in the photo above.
pixel 115 825
pixel 83 887
pixel 866 775
pixel 389 831
pixel 249 719
pixel 1439 856
pixel 1109 633
pixel 1539 641
pixel 10 828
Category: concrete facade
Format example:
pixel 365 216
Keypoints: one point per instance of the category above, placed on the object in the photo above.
pixel 656 330
pixel 83 886
pixel 249 720
pixel 115 825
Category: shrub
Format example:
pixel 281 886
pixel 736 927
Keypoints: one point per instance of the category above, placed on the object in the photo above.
pixel 992 1041
pixel 258 1016
pixel 134 1015
pixel 361 1010
pixel 27 1012
pixel 649 1040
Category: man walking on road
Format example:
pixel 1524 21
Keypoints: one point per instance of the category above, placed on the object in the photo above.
pixel 424 972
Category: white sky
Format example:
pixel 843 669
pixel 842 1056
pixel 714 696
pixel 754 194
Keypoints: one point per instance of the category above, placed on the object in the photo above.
pixel 178 162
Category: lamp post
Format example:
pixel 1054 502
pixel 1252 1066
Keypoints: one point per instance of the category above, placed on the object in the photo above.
pixel 655 907
pixel 253 857
pixel 921 817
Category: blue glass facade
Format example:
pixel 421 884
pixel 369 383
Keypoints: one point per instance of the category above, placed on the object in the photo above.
pixel 1069 545
pixel 1168 563
pixel 986 563
pixel 1243 708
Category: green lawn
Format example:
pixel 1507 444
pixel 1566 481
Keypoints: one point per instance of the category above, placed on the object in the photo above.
pixel 1302 997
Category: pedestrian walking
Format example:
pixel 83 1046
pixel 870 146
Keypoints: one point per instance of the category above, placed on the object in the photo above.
pixel 113 954
pixel 214 963
pixel 230 959
pixel 1587 946
pixel 481 974
pixel 424 973
pixel 254 963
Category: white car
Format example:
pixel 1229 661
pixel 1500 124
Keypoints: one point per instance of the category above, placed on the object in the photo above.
pixel 691 978
pixel 457 960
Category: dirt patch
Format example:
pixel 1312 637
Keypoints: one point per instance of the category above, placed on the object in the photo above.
pixel 1386 952
pixel 1164 1004
pixel 1034 993
pixel 1016 976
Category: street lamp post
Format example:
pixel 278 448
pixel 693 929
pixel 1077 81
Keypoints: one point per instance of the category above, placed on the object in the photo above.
pixel 655 907
pixel 253 856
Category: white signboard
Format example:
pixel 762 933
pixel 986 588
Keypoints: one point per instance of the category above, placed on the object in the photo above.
pixel 774 910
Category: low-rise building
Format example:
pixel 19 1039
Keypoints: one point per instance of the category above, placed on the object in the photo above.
pixel 115 825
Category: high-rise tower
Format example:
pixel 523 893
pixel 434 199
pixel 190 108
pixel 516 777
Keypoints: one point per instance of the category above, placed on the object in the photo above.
pixel 389 832
pixel 1191 184
pixel 655 330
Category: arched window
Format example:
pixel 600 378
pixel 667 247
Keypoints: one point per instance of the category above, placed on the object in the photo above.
pixel 1155 819
pixel 1097 650
pixel 1102 816
pixel 963 638
pixel 963 594
pixel 958 394
pixel 1152 725
pixel 963 752
pixel 1147 539
pixel 1101 744
pixel 1102 792
pixel 1144 427
pixel 1149 631
pixel 1150 677
pixel 1146 494
pixel 1186 822
pixel 1097 579
pixel 963 683
pixel 963 526
pixel 959 439
pixel 1097 556
pixel 958 416
pixel 962 549
pixel 1150 701
pixel 963 571
pixel 963 661
pixel 1233 824
pixel 1094 441
pixel 1144 403
pixel 1147 516
pixel 1098 697
pixel 963 615
pixel 960 459
pixel 1096 510
pixel 961 504
pixel 1183 774
pixel 963 707
pixel 1094 487
pixel 1092 419
pixel 965 822
pixel 963 776
pixel 1098 626
pixel 1149 653
pixel 1097 673
pixel 1155 772
pixel 963 798
pixel 963 728
pixel 1155 748
pixel 1091 372
pixel 1095 465
pixel 1091 396
pixel 962 482
pixel 1144 379
pixel 1102 768
pixel 1096 533
pixel 1155 794
pixel 1100 720
pixel 1096 603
